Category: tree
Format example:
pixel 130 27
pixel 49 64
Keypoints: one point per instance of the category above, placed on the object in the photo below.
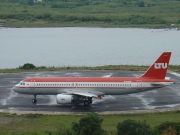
pixel 63 130
pixel 132 127
pixel 88 125
pixel 141 4
pixel 27 66
pixel 30 2
pixel 169 131
pixel 167 127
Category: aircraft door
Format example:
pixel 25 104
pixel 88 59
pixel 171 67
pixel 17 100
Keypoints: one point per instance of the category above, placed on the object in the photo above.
pixel 139 84
pixel 32 85
pixel 74 85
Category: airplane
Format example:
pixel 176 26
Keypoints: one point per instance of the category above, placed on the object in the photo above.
pixel 81 90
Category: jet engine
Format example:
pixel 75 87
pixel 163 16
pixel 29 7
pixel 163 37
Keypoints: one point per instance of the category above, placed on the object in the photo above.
pixel 64 99
pixel 73 99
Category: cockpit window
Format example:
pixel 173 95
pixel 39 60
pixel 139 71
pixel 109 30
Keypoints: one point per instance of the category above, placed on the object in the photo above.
pixel 21 83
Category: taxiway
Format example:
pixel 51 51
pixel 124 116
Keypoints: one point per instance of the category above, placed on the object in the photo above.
pixel 167 97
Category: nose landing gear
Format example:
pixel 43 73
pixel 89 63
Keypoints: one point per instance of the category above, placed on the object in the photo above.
pixel 34 100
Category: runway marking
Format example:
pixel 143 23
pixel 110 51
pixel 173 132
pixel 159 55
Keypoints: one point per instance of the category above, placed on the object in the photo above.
pixel 106 76
pixel 12 108
pixel 174 73
pixel 136 75
pixel 12 94
pixel 171 106
pixel 107 97
pixel 145 101
pixel 176 90
pixel 52 100
pixel 75 74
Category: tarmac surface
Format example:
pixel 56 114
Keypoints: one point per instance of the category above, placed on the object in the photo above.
pixel 163 98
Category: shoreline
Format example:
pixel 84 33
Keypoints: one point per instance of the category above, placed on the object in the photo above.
pixel 93 26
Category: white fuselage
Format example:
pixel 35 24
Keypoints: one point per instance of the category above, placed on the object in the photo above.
pixel 108 88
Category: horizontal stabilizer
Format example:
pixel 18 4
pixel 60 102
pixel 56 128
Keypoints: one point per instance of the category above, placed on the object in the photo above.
pixel 159 84
pixel 167 78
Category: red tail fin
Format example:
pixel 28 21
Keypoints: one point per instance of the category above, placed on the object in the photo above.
pixel 159 68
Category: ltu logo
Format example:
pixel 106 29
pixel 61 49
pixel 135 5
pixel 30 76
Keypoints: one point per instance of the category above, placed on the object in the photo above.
pixel 160 65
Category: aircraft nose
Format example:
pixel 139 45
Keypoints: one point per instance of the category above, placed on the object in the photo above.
pixel 15 89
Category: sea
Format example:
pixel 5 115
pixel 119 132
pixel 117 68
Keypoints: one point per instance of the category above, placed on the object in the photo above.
pixel 86 46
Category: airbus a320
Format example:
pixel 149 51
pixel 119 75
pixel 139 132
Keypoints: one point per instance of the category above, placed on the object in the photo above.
pixel 78 90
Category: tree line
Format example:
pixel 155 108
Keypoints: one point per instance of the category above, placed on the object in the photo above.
pixel 130 19
pixel 91 123
pixel 73 11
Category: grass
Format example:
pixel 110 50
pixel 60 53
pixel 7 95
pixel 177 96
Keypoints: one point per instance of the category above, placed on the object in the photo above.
pixel 175 68
pixel 44 124
pixel 116 13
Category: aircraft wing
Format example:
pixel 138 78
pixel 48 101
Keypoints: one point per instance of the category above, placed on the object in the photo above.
pixel 95 94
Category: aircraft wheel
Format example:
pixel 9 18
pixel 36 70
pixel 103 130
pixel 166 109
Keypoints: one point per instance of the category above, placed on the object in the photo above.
pixel 34 101
pixel 86 103
pixel 90 101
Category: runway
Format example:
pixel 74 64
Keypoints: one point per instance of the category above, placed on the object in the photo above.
pixel 167 97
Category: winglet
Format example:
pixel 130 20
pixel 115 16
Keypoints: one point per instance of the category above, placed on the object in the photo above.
pixel 159 68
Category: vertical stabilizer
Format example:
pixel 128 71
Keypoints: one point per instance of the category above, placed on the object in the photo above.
pixel 159 68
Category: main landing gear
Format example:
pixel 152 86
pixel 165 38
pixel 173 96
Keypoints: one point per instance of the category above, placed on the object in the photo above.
pixel 79 100
pixel 34 100
pixel 88 101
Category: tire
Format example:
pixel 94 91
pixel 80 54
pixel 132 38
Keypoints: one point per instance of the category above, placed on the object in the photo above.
pixel 34 101
pixel 86 103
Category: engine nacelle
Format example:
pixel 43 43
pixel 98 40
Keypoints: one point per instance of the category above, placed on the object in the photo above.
pixel 64 99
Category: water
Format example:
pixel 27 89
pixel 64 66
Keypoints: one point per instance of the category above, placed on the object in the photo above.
pixel 86 46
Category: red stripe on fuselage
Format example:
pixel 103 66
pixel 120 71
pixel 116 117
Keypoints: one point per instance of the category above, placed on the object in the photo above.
pixel 88 87
pixel 92 79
